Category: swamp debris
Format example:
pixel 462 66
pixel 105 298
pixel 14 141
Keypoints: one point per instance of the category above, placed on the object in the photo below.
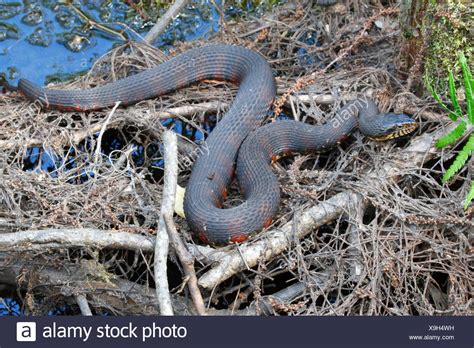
pixel 367 229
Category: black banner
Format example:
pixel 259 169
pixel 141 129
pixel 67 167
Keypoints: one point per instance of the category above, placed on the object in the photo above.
pixel 326 332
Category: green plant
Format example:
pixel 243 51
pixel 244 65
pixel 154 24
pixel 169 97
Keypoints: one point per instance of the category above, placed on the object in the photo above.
pixel 464 120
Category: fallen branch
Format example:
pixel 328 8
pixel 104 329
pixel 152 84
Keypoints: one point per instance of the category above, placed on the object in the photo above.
pixel 170 143
pixel 40 240
pixel 165 20
pixel 273 243
pixel 114 294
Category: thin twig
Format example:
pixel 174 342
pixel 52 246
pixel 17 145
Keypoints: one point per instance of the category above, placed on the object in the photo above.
pixel 306 80
pixel 98 149
pixel 327 99
pixel 78 136
pixel 187 260
pixel 92 23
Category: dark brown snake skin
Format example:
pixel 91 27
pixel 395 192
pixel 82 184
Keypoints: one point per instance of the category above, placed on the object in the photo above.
pixel 214 168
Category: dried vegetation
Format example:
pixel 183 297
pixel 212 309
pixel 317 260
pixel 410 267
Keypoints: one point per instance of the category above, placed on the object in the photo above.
pixel 397 243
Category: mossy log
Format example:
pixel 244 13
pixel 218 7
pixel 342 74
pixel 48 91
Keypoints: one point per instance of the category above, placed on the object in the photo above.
pixel 434 33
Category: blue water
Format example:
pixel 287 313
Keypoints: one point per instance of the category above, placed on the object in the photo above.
pixel 9 306
pixel 49 58
pixel 45 42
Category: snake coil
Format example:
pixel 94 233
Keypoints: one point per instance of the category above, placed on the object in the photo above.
pixel 239 129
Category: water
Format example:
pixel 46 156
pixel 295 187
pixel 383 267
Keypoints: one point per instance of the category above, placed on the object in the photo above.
pixel 9 306
pixel 52 48
pixel 48 41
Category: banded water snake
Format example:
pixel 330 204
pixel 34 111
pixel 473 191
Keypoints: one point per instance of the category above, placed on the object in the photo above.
pixel 213 170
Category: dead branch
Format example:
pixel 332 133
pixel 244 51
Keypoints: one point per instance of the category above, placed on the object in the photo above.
pixel 170 143
pixel 40 240
pixel 98 149
pixel 273 243
pixel 165 20
pixel 109 293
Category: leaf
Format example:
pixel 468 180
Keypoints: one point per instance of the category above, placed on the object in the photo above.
pixel 469 196
pixel 452 136
pixel 468 86
pixel 460 160
pixel 435 95
pixel 454 100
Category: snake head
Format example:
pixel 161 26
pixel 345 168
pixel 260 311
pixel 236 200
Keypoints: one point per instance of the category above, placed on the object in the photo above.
pixel 390 126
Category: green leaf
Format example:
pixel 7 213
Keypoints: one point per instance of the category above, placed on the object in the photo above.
pixel 435 95
pixel 452 136
pixel 454 100
pixel 460 160
pixel 468 86
pixel 469 196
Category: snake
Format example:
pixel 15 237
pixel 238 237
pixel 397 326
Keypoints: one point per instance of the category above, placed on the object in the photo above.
pixel 239 145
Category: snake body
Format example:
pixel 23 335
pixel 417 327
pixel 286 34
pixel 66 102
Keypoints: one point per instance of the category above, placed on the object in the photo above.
pixel 214 168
